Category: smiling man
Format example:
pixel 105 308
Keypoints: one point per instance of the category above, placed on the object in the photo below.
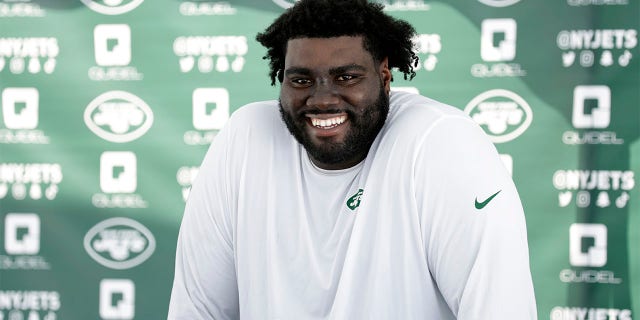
pixel 344 200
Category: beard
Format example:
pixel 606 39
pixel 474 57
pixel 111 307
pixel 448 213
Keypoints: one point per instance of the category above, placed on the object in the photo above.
pixel 363 129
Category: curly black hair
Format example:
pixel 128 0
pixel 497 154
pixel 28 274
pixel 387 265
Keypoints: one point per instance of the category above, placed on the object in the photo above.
pixel 384 36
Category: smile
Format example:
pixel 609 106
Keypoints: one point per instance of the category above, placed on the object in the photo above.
pixel 324 122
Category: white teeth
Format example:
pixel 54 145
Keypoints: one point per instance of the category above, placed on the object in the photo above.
pixel 328 123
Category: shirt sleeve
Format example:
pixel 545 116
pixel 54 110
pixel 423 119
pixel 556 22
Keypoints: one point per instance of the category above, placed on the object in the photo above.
pixel 205 285
pixel 473 224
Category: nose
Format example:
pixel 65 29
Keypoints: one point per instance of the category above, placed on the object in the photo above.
pixel 323 96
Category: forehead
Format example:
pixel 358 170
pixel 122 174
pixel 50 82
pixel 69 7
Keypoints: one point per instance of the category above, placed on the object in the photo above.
pixel 326 52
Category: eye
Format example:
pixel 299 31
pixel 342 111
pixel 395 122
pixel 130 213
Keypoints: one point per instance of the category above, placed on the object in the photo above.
pixel 346 77
pixel 300 82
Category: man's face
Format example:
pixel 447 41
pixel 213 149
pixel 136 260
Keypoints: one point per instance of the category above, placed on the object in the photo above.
pixel 334 98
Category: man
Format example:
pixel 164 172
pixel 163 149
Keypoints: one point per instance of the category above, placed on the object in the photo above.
pixel 347 201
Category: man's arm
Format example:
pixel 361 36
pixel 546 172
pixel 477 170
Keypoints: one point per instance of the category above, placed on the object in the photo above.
pixel 205 285
pixel 473 224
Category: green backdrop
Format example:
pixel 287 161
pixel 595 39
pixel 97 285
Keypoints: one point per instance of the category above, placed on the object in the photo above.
pixel 108 107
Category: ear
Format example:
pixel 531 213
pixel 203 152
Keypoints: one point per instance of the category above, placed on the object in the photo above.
pixel 385 74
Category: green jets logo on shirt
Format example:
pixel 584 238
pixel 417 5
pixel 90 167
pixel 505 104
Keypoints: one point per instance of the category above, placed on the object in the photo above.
pixel 354 201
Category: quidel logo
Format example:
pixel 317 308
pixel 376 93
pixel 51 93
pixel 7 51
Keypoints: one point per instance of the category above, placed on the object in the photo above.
pixel 118 181
pixel 600 116
pixel 20 9
pixel 118 116
pixel 192 8
pixel 591 110
pixel 22 233
pixel 112 44
pixel 497 47
pixel 595 237
pixel 22 243
pixel 112 7
pixel 117 299
pixel 502 114
pixel 20 115
pixel 118 172
pixel 498 40
pixel 20 108
pixel 119 243
pixel 588 248
pixel 112 48
pixel 210 113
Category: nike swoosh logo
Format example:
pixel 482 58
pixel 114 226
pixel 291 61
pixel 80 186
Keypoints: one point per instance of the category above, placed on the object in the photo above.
pixel 480 205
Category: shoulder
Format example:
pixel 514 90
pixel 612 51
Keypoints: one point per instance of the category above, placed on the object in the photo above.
pixel 415 114
pixel 254 120
pixel 255 112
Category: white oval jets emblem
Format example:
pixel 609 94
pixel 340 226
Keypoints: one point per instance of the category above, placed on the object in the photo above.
pixel 119 243
pixel 112 7
pixel 502 114
pixel 118 116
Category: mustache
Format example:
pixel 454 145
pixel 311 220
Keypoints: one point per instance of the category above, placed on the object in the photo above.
pixel 319 111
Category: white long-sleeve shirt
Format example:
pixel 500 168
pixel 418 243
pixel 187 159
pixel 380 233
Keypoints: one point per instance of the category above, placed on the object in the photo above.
pixel 428 226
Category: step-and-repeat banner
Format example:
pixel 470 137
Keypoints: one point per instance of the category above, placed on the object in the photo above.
pixel 108 107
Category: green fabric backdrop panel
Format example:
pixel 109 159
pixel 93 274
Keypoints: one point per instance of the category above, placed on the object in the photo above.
pixel 108 107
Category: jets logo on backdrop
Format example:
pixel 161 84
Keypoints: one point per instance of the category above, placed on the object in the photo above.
pixel 20 116
pixel 118 116
pixel 210 112
pixel 601 47
pixel 34 181
pixel 32 55
pixel 211 53
pixel 112 50
pixel 118 181
pixel 119 243
pixel 428 46
pixel 590 115
pixel 197 8
pixel 609 187
pixel 117 299
pixel 112 7
pixel 499 3
pixel 498 43
pixel 588 249
pixel 29 305
pixel 20 9
pixel 502 114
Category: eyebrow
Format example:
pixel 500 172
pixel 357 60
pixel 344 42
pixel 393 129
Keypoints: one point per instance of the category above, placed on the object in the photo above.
pixel 332 71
